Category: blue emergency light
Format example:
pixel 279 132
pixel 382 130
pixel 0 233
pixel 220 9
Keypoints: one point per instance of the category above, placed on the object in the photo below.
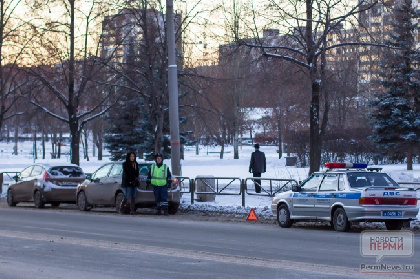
pixel 346 165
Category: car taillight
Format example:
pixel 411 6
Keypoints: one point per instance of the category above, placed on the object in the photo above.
pixel 46 176
pixel 391 201
pixel 370 201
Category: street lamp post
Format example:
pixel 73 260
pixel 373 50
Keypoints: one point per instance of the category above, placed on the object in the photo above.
pixel 173 90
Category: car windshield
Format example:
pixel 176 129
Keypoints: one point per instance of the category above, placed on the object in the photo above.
pixel 367 179
pixel 66 171
pixel 144 169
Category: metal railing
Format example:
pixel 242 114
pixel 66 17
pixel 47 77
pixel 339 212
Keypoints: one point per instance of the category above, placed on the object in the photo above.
pixel 417 187
pixel 220 189
pixel 282 185
pixel 410 183
pixel 11 175
pixel 232 186
pixel 186 185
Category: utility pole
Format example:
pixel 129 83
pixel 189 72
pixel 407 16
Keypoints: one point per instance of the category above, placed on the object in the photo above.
pixel 173 91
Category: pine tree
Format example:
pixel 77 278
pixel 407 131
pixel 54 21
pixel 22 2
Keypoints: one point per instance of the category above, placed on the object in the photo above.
pixel 128 130
pixel 396 115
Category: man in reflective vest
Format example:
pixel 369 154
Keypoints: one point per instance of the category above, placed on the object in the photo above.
pixel 160 177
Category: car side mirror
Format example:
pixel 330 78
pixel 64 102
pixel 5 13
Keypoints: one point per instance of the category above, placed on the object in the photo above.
pixel 16 178
pixel 296 188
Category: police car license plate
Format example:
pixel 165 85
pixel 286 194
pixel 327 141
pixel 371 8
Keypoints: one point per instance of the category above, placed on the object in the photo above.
pixel 392 213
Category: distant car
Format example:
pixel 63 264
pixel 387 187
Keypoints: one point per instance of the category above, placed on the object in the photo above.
pixel 103 189
pixel 347 193
pixel 247 142
pixel 46 183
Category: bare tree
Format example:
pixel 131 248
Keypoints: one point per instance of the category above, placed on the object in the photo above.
pixel 14 37
pixel 71 42
pixel 310 24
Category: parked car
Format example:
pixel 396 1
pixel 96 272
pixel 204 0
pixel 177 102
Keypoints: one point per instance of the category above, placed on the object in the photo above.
pixel 46 183
pixel 347 193
pixel 103 189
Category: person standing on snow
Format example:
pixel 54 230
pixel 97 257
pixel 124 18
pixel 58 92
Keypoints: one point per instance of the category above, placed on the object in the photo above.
pixel 257 166
pixel 160 177
pixel 130 181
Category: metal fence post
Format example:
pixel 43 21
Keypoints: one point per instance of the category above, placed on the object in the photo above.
pixel 243 190
pixel 192 190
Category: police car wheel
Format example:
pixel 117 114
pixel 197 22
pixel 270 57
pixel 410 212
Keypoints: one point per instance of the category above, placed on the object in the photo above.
pixel 340 220
pixel 394 225
pixel 283 216
pixel 10 201
pixel 39 203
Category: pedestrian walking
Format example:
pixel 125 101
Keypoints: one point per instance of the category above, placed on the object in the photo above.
pixel 257 165
pixel 130 181
pixel 161 178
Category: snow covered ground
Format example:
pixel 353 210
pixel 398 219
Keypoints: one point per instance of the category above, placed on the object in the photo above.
pixel 208 163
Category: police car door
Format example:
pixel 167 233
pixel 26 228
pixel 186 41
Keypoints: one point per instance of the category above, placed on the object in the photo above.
pixel 325 196
pixel 304 201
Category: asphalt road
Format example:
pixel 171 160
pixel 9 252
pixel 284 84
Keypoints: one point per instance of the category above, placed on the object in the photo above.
pixel 57 243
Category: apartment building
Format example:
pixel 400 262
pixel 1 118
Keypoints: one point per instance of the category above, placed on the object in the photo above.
pixel 129 33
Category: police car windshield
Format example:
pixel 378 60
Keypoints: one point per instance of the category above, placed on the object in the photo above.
pixel 368 179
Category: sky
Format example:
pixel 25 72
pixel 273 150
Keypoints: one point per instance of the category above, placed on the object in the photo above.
pixel 207 163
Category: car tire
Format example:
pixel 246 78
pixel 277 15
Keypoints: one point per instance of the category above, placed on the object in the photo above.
pixel 173 208
pixel 394 225
pixel 55 204
pixel 10 201
pixel 283 216
pixel 340 221
pixel 39 203
pixel 118 200
pixel 82 203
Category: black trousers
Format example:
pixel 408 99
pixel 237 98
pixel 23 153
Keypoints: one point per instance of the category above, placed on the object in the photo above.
pixel 257 182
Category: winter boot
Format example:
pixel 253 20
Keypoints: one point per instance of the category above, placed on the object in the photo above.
pixel 159 211
pixel 133 206
pixel 165 212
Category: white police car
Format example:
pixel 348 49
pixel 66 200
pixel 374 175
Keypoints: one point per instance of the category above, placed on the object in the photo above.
pixel 347 193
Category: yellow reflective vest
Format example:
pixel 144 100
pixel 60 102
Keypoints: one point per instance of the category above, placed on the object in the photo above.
pixel 158 175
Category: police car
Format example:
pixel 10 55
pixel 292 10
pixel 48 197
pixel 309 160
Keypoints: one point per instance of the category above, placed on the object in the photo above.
pixel 347 193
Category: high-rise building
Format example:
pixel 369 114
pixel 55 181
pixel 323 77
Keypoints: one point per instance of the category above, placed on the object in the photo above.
pixel 375 25
pixel 124 35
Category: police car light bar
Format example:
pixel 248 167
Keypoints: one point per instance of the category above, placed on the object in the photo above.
pixel 346 165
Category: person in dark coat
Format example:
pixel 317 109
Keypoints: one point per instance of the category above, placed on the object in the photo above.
pixel 257 166
pixel 130 180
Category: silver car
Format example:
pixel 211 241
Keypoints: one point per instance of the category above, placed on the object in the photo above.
pixel 103 189
pixel 342 195
pixel 46 183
